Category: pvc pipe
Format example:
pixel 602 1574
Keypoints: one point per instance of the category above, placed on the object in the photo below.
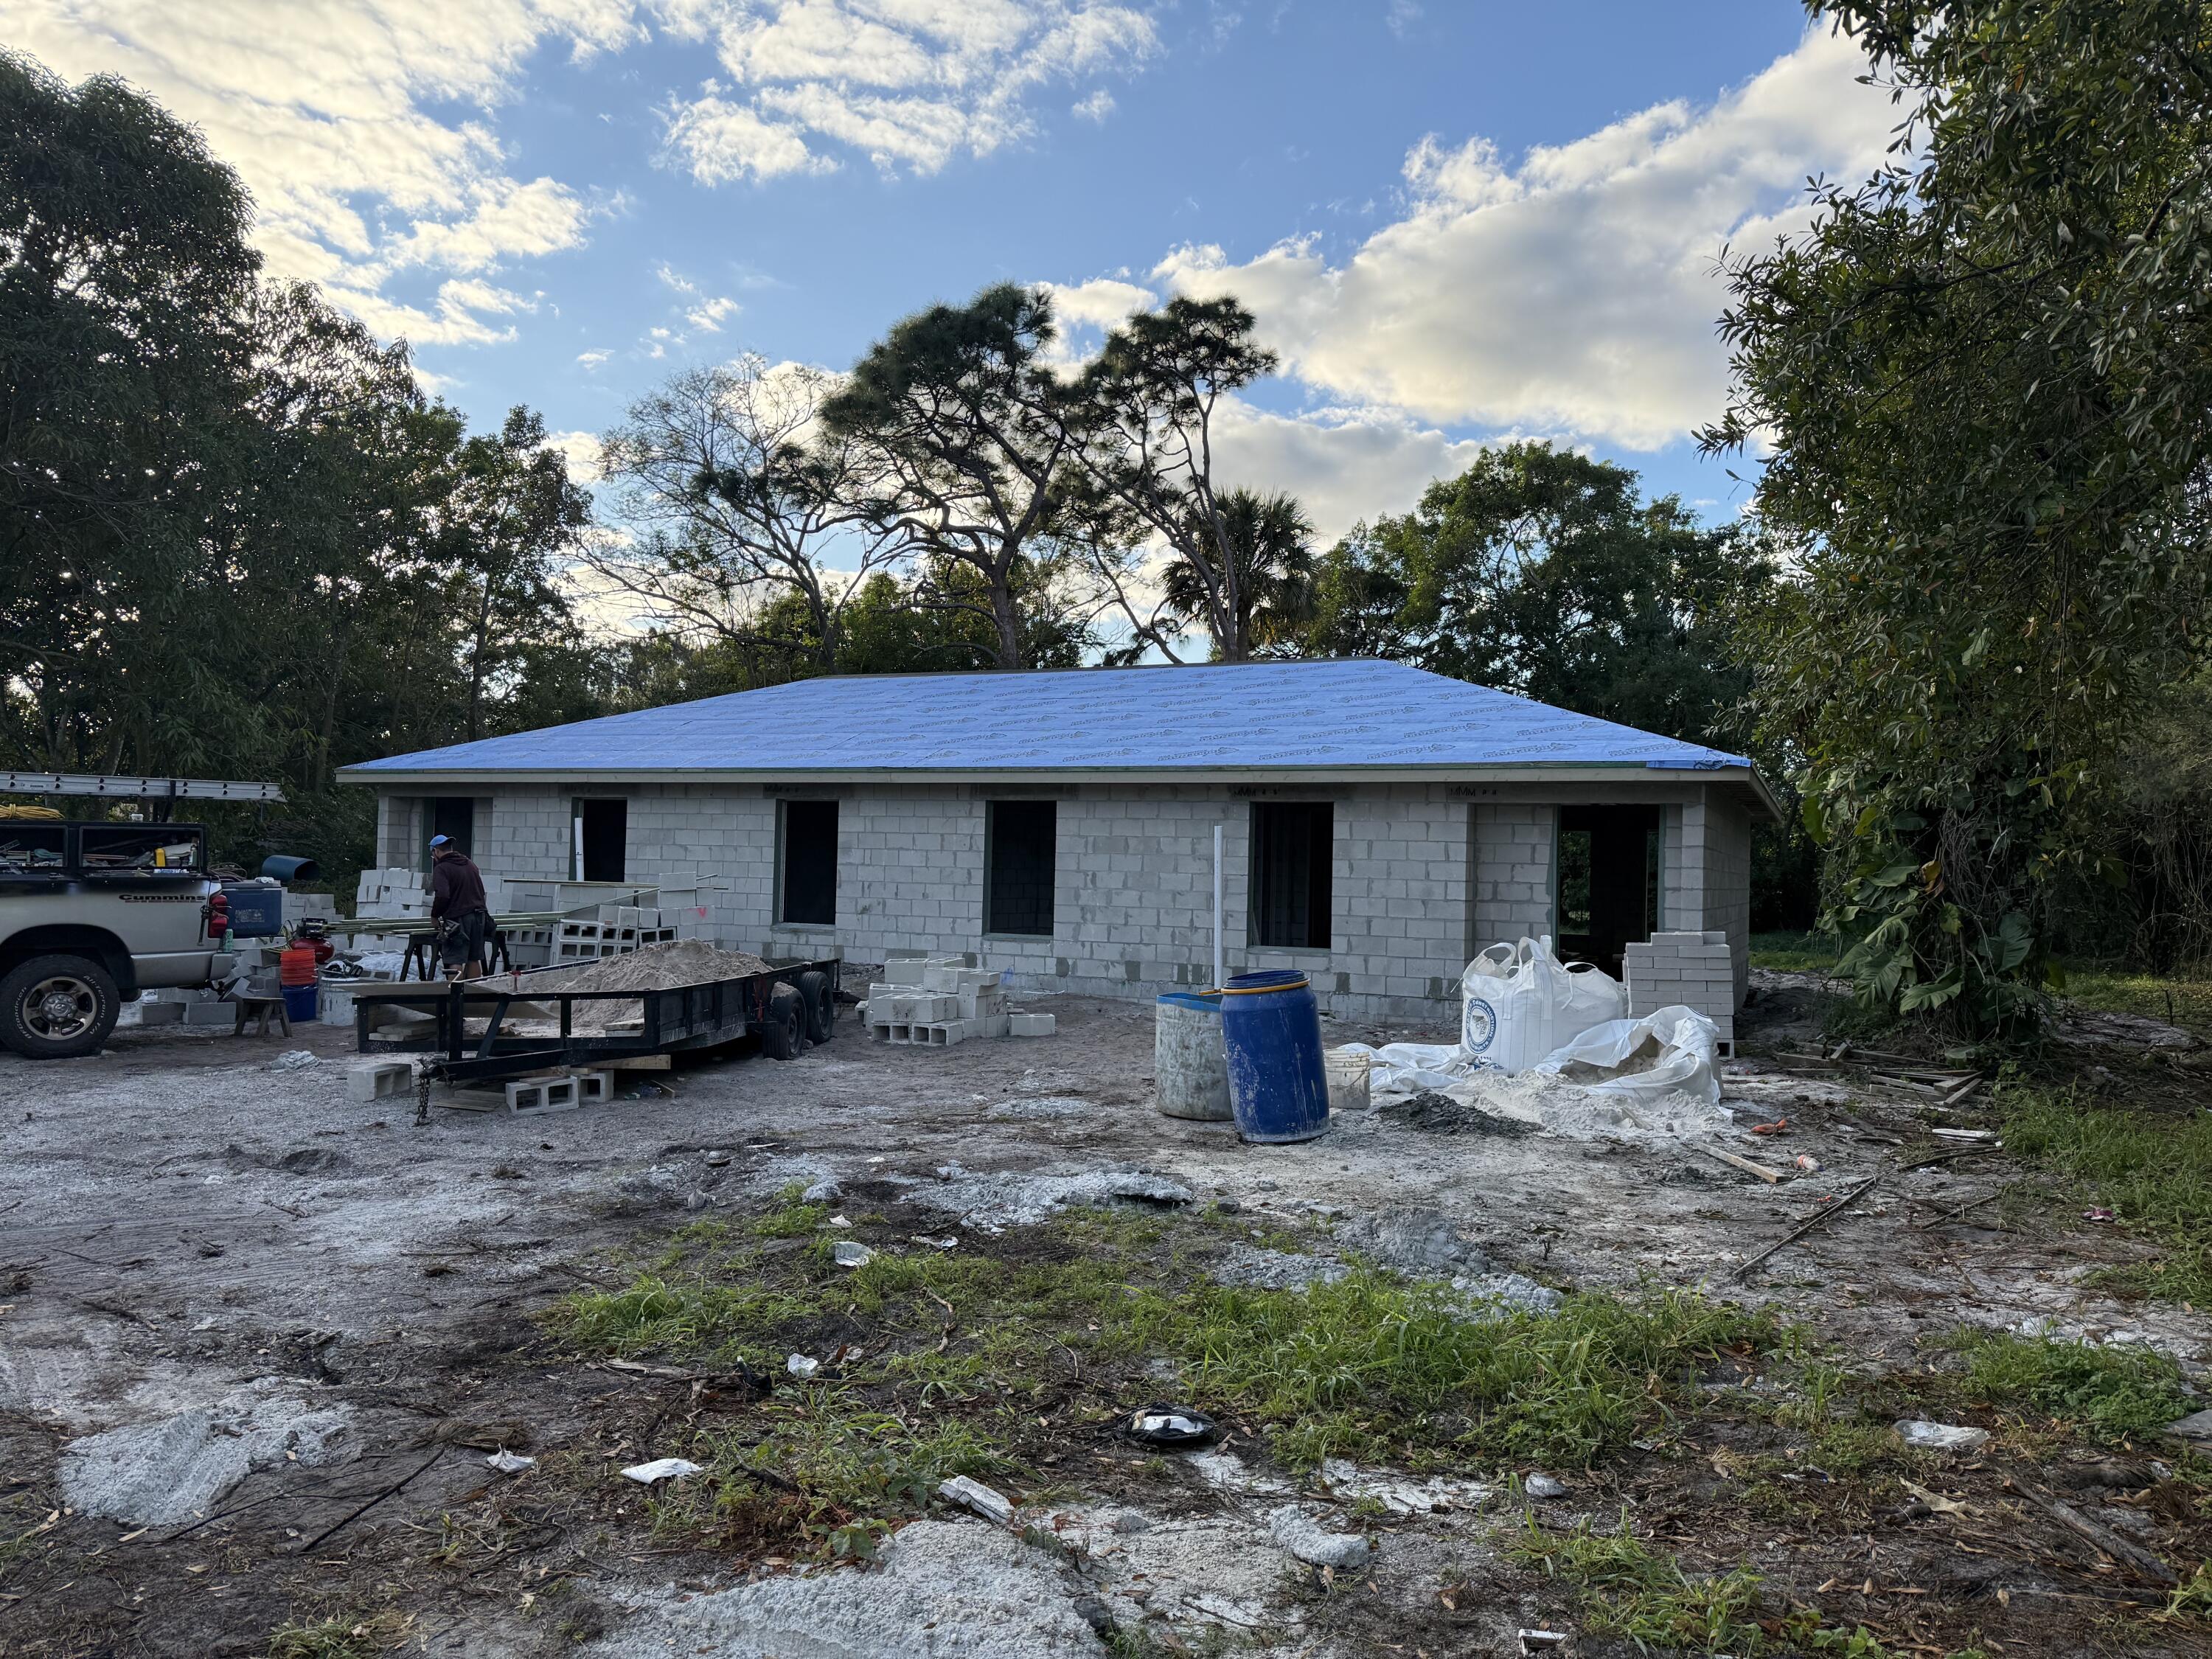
pixel 1220 969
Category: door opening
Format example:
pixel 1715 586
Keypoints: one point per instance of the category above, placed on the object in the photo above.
pixel 1609 876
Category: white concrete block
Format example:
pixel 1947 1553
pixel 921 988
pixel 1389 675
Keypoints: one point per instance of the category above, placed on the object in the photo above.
pixel 1032 1025
pixel 379 1078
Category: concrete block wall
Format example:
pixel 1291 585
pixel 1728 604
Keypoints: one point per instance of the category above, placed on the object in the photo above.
pixel 399 827
pixel 1511 851
pixel 1421 876
pixel 399 831
pixel 1726 881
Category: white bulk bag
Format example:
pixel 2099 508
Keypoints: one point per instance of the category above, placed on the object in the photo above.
pixel 1519 1002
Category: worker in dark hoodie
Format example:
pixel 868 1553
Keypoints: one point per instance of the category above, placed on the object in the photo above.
pixel 457 905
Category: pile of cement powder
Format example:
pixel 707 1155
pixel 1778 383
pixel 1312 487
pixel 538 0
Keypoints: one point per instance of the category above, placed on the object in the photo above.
pixel 178 1468
pixel 1008 1199
pixel 1558 1107
pixel 945 1590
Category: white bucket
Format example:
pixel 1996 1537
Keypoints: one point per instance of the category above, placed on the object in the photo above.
pixel 1350 1088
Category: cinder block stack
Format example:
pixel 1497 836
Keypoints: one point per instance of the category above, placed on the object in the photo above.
pixel 309 906
pixel 1691 971
pixel 619 929
pixel 934 1002
pixel 395 893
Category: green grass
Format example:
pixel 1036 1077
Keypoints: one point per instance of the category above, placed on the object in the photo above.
pixel 2102 1393
pixel 1375 1365
pixel 1642 1596
pixel 2153 1169
pixel 1796 953
pixel 2183 999
pixel 342 1638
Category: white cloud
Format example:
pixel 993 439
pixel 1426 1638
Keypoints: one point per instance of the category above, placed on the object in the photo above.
pixel 324 109
pixel 719 143
pixel 1101 302
pixel 1574 293
pixel 709 315
pixel 908 83
pixel 580 451
pixel 593 358
pixel 1343 467
pixel 1096 107
pixel 458 320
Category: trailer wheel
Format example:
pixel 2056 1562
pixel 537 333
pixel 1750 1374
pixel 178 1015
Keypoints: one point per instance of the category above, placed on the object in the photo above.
pixel 57 1007
pixel 784 1032
pixel 821 1005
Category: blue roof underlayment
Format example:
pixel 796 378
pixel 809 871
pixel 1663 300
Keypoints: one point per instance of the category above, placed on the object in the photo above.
pixel 1298 716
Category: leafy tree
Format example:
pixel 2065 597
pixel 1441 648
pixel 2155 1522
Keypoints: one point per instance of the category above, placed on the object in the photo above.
pixel 515 516
pixel 1266 593
pixel 1146 407
pixel 1986 375
pixel 1540 571
pixel 745 498
pixel 126 346
pixel 969 423
pixel 238 540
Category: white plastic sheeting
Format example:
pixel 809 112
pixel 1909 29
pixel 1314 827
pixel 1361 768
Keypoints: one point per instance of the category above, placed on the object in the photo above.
pixel 1667 1051
pixel 1649 1080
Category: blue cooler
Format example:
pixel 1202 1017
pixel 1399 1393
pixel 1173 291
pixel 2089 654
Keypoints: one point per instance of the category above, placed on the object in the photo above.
pixel 256 912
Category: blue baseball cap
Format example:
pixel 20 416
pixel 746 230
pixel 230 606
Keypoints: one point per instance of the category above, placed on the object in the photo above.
pixel 442 841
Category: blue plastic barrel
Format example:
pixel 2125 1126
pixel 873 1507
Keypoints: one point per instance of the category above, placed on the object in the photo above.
pixel 300 1001
pixel 1270 1028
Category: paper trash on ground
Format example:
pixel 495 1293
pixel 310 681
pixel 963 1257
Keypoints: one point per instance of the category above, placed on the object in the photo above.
pixel 662 1468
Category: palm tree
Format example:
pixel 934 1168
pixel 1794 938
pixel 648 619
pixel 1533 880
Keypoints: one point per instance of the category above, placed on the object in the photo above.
pixel 1273 543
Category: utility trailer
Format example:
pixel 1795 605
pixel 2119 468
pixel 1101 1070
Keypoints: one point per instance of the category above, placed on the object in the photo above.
pixel 792 1002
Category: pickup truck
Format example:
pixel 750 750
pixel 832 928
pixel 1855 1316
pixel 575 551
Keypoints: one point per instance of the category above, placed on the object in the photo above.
pixel 92 913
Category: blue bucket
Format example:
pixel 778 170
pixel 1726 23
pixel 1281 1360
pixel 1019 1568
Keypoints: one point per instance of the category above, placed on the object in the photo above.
pixel 1270 1028
pixel 300 1002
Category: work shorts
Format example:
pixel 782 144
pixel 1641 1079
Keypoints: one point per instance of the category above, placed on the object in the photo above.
pixel 464 939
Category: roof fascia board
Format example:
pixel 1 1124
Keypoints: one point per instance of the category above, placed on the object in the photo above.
pixel 1553 772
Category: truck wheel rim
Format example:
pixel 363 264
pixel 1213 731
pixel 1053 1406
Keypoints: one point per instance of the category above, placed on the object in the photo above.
pixel 61 1007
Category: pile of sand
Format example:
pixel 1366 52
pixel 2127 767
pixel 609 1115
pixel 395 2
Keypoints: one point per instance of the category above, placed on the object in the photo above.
pixel 653 968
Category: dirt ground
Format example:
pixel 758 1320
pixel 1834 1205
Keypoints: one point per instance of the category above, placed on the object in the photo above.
pixel 273 1334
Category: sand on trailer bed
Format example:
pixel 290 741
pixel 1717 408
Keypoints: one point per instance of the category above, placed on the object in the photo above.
pixel 650 968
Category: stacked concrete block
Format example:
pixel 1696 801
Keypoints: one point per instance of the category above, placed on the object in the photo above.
pixel 619 930
pixel 309 906
pixel 393 893
pixel 1691 971
pixel 937 1001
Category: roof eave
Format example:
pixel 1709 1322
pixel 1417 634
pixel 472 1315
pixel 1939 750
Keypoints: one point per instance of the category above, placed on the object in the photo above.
pixel 1510 772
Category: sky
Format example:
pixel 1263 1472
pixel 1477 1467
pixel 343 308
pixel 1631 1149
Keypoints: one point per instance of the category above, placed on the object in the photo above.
pixel 1456 222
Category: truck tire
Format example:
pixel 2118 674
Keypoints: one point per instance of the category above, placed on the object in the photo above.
pixel 57 1007
pixel 821 1005
pixel 783 1033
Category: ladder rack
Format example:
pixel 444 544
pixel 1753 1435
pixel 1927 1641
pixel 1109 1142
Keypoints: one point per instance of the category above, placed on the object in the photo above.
pixel 123 788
